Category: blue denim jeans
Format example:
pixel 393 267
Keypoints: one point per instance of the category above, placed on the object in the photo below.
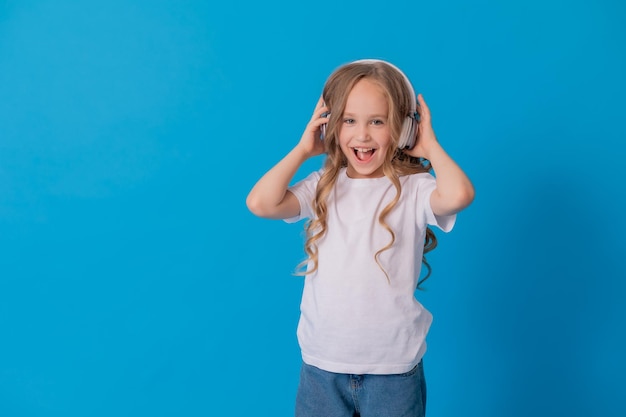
pixel 327 394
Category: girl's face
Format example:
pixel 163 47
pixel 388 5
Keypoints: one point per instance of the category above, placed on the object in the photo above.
pixel 365 134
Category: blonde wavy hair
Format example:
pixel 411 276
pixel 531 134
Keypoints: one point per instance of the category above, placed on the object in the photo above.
pixel 395 165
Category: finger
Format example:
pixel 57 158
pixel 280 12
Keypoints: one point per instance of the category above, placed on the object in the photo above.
pixel 321 112
pixel 422 109
pixel 320 103
pixel 316 123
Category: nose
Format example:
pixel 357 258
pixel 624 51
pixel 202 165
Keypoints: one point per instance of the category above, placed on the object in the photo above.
pixel 362 134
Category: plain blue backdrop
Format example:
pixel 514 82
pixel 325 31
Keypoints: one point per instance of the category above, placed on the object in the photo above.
pixel 133 280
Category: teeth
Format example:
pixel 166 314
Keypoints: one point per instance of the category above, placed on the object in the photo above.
pixel 364 149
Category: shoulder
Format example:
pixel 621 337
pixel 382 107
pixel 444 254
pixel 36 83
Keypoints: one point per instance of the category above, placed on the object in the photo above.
pixel 418 187
pixel 311 178
pixel 417 178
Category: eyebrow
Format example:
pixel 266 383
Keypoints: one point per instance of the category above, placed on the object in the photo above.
pixel 381 116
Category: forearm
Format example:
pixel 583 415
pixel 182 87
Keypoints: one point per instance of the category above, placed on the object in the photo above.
pixel 267 197
pixel 454 189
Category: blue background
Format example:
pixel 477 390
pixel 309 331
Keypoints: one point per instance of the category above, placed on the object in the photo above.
pixel 133 280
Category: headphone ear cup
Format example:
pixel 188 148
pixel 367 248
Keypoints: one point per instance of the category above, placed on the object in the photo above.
pixel 409 133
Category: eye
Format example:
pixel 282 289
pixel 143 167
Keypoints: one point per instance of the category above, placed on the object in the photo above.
pixel 378 122
pixel 348 121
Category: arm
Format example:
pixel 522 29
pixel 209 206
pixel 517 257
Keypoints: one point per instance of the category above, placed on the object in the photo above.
pixel 454 190
pixel 269 197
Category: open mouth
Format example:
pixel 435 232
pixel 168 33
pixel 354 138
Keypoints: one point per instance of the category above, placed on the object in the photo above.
pixel 364 154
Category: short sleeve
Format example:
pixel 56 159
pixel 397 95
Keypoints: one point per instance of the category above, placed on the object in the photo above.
pixel 427 185
pixel 304 191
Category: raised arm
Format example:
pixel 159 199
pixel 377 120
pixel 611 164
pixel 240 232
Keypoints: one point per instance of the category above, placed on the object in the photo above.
pixel 454 190
pixel 269 197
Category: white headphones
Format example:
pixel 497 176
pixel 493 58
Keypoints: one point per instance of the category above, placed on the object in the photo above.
pixel 410 125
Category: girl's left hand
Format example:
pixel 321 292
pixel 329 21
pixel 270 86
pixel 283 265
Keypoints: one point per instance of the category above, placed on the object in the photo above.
pixel 425 134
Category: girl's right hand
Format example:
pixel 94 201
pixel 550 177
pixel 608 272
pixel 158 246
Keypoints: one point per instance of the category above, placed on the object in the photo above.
pixel 310 142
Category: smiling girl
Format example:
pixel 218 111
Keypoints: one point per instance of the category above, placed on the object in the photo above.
pixel 361 330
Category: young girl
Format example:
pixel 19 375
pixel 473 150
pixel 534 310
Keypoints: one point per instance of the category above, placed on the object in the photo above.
pixel 361 330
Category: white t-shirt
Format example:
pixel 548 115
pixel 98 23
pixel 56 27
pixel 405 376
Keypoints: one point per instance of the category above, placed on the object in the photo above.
pixel 353 320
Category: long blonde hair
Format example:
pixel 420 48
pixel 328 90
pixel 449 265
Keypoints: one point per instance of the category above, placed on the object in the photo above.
pixel 396 162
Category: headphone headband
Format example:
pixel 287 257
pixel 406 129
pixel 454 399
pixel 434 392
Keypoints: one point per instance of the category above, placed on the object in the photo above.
pixel 406 79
